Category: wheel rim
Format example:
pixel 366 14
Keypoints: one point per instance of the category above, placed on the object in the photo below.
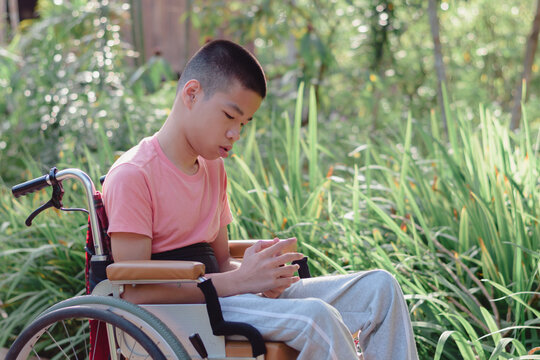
pixel 64 334
pixel 146 321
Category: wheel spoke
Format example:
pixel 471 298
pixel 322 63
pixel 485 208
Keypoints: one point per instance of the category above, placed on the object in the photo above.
pixel 93 348
pixel 34 351
pixel 56 343
pixel 73 348
pixel 86 349
pixel 131 353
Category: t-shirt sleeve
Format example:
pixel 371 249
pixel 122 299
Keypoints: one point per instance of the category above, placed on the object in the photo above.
pixel 127 201
pixel 226 216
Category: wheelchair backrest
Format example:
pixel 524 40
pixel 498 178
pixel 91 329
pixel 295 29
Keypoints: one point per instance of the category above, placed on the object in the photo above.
pixel 95 268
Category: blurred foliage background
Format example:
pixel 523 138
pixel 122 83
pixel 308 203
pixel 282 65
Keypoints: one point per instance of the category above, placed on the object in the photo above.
pixel 371 63
pixel 349 151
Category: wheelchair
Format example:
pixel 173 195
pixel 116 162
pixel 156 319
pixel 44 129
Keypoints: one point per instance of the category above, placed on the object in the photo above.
pixel 100 325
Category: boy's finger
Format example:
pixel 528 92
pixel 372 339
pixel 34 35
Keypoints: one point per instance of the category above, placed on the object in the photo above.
pixel 281 246
pixel 267 243
pixel 255 248
pixel 286 271
pixel 287 258
pixel 287 281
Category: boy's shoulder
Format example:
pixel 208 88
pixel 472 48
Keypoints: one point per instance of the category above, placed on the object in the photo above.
pixel 147 159
pixel 139 156
pixel 132 166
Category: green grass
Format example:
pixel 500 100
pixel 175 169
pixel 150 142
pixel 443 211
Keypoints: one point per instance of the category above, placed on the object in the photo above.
pixel 455 219
pixel 457 225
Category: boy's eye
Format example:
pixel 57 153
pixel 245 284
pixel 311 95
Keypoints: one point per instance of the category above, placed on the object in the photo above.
pixel 228 116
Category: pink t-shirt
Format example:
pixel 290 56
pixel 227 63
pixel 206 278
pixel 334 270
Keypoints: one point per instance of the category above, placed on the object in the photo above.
pixel 144 193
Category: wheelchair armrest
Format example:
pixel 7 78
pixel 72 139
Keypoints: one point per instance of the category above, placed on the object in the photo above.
pixel 154 270
pixel 238 247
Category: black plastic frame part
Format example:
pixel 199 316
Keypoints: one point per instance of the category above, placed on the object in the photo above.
pixel 224 328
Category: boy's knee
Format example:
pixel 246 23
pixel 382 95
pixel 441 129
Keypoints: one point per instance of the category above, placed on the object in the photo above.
pixel 382 276
pixel 383 282
pixel 320 310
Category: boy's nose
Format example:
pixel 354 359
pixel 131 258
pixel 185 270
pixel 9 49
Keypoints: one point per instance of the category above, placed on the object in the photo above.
pixel 233 134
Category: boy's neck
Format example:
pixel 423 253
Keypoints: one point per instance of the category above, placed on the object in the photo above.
pixel 175 146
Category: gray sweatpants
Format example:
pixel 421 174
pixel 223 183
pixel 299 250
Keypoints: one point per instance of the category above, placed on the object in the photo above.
pixel 317 316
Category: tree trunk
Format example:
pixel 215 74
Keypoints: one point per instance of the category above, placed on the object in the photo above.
pixel 439 65
pixel 532 43
pixel 3 35
pixel 14 15
pixel 137 30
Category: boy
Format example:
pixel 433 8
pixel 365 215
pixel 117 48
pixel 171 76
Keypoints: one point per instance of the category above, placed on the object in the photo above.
pixel 166 199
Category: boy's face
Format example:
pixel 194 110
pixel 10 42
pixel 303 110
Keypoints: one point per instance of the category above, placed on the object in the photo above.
pixel 217 121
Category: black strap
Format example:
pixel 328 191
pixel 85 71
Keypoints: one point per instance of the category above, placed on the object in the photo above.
pixel 201 252
pixel 224 328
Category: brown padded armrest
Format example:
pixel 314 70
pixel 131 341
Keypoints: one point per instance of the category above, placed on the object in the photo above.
pixel 155 270
pixel 238 247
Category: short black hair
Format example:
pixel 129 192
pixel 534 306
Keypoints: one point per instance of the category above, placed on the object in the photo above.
pixel 220 61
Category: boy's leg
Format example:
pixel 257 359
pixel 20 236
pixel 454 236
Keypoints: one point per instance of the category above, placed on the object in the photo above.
pixel 311 326
pixel 371 302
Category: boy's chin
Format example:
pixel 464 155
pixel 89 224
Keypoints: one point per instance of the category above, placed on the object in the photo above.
pixel 210 157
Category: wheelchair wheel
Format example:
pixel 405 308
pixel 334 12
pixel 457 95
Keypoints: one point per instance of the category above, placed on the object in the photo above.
pixel 161 335
pixel 63 334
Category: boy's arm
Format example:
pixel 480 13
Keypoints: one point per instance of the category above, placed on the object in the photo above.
pixel 263 268
pixel 221 249
pixel 131 246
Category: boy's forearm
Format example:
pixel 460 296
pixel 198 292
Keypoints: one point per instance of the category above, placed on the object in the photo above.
pixel 264 267
pixel 226 284
pixel 229 265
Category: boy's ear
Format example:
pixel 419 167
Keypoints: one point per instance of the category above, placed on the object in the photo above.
pixel 191 92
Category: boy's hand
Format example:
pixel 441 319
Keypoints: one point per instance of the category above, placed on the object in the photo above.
pixel 266 267
pixel 274 293
pixel 289 247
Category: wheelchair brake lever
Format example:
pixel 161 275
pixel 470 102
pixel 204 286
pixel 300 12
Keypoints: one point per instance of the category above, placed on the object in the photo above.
pixel 36 212
pixel 55 201
pixel 198 344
